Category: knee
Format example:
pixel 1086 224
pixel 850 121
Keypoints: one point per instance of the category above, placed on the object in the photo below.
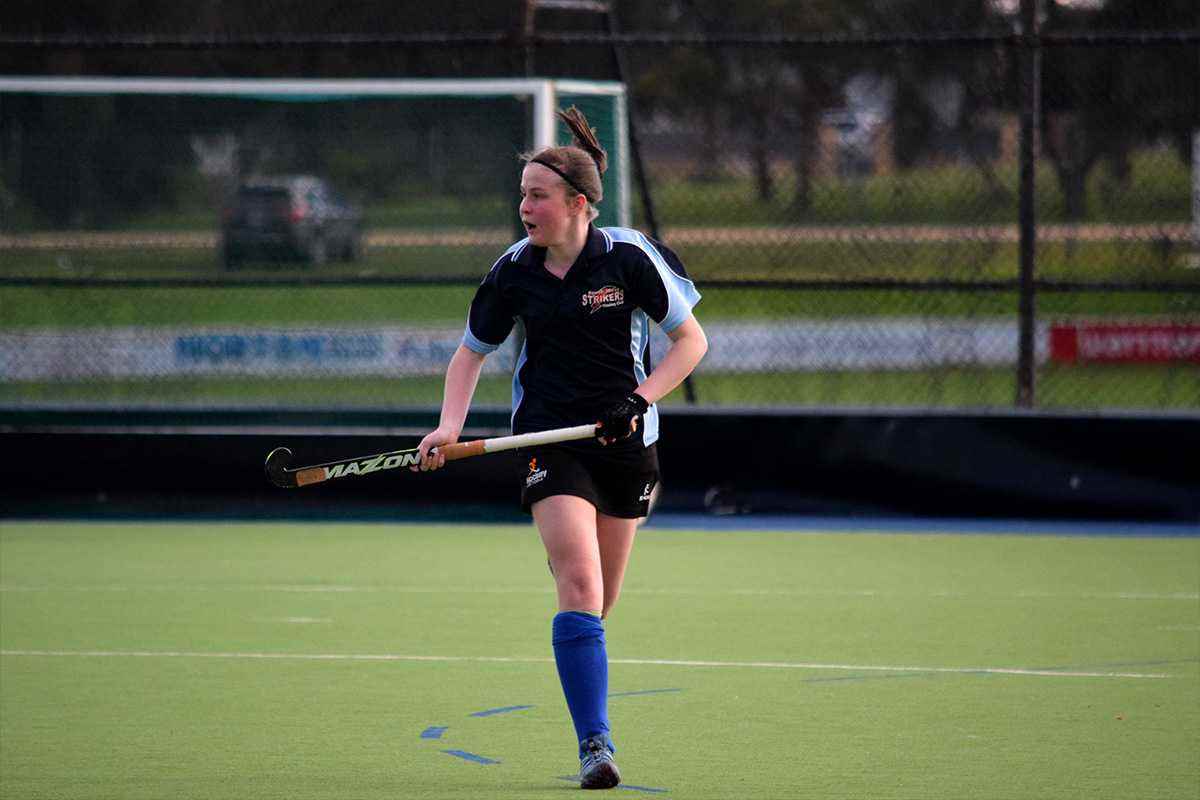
pixel 578 589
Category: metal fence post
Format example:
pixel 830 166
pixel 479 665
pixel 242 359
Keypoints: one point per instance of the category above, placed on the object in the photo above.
pixel 1031 76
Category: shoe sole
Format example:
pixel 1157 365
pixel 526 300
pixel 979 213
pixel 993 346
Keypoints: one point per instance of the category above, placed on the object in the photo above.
pixel 604 776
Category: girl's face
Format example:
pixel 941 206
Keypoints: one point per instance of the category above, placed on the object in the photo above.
pixel 545 210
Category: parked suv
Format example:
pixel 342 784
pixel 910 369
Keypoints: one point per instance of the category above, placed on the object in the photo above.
pixel 290 217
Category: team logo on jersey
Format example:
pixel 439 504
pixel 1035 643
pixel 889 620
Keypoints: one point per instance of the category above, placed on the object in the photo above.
pixel 604 297
pixel 535 475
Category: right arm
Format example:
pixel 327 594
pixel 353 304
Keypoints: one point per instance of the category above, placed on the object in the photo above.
pixel 489 322
pixel 461 378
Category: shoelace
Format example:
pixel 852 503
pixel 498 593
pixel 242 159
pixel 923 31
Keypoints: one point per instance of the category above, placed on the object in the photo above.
pixel 596 753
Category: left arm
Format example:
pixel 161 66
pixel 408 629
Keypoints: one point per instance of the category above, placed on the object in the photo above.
pixel 660 288
pixel 688 346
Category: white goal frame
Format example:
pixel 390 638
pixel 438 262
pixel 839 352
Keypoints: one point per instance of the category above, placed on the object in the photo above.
pixel 543 92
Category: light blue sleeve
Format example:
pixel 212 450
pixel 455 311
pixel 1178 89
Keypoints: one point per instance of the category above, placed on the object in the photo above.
pixel 679 291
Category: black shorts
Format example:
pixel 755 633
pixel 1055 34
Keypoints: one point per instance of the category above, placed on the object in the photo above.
pixel 617 480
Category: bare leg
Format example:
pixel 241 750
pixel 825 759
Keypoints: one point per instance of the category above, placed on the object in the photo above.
pixel 615 535
pixel 567 525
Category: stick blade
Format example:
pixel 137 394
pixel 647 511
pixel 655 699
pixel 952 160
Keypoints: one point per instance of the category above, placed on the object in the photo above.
pixel 276 468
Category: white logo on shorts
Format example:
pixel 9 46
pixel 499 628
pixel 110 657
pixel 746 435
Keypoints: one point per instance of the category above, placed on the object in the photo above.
pixel 646 492
pixel 535 475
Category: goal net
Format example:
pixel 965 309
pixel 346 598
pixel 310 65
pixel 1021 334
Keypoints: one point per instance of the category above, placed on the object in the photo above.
pixel 264 241
pixel 158 161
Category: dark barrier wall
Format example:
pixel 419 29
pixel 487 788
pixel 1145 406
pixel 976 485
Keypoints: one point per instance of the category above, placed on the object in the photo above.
pixel 209 463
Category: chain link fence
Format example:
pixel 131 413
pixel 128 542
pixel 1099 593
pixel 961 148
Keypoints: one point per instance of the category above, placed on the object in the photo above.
pixel 850 208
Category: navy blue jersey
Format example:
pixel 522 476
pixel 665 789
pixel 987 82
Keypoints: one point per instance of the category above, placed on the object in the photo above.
pixel 587 334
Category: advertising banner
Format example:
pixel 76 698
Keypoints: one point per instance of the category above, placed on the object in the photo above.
pixel 1124 343
pixel 746 347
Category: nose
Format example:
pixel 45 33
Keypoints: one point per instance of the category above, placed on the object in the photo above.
pixel 524 206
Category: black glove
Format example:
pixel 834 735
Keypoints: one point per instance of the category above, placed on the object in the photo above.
pixel 618 420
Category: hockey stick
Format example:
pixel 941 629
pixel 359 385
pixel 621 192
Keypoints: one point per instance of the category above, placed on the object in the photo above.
pixel 280 457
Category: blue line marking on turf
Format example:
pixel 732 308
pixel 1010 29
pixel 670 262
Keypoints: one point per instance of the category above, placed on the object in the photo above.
pixel 643 691
pixel 629 786
pixel 642 788
pixel 871 677
pixel 436 731
pixel 491 712
pixel 463 754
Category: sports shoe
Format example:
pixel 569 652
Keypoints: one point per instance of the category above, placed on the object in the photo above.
pixel 597 770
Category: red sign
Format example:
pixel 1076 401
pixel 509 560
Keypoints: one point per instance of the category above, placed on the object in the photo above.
pixel 1111 343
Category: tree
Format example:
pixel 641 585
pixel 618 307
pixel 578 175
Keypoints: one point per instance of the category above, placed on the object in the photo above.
pixel 758 99
pixel 1101 104
pixel 927 124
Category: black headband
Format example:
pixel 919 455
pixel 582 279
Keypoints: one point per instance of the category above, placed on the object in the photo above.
pixel 562 175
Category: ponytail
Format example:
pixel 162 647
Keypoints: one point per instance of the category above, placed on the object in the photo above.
pixel 584 137
pixel 581 163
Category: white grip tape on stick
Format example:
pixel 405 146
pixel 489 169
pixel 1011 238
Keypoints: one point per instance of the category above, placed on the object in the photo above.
pixel 540 437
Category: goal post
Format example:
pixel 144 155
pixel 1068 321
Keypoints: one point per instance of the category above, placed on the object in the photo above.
pixel 1194 260
pixel 478 125
pixel 604 104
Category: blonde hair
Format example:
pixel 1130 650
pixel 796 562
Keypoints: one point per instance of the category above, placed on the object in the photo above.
pixel 580 164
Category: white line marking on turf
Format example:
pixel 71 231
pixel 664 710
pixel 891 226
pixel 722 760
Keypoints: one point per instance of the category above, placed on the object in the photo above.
pixel 1149 596
pixel 779 592
pixel 301 589
pixel 348 589
pixel 1116 595
pixel 880 668
pixel 294 620
pixel 1046 673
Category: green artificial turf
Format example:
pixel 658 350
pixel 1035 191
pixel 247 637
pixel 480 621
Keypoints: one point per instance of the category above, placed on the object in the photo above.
pixel 774 258
pixel 1066 387
pixel 75 307
pixel 295 660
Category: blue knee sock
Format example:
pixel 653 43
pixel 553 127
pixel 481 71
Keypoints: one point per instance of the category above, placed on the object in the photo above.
pixel 582 662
